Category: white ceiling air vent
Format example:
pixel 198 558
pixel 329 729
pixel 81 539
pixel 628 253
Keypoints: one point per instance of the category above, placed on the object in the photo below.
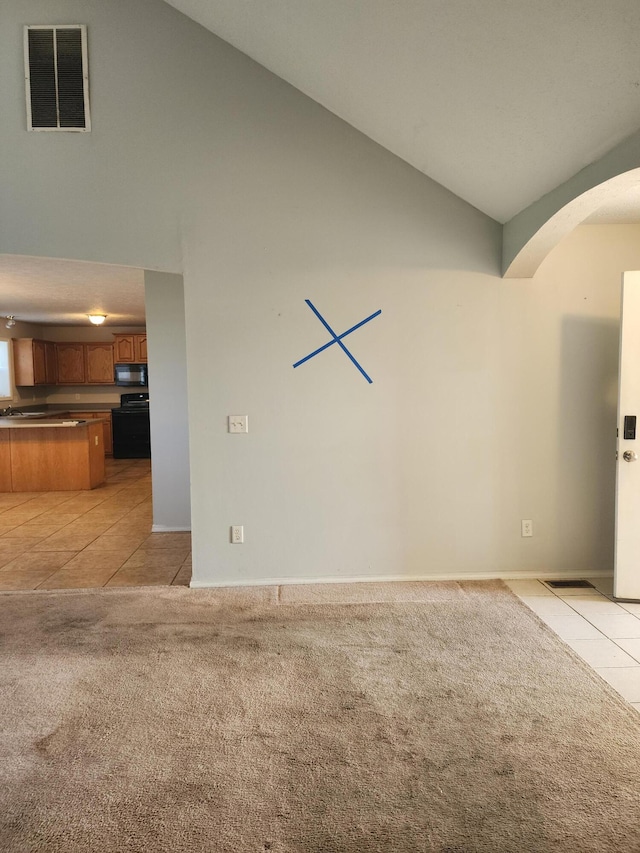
pixel 57 77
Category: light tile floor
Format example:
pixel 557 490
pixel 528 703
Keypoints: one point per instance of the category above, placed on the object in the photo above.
pixel 605 633
pixel 102 537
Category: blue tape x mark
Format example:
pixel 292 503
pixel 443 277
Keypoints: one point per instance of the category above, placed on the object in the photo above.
pixel 337 339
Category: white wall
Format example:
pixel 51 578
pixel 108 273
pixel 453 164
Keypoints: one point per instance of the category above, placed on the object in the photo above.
pixel 88 333
pixel 202 162
pixel 531 234
pixel 166 340
pixel 567 363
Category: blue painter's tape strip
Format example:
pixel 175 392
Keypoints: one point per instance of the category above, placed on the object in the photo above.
pixel 337 339
pixel 315 352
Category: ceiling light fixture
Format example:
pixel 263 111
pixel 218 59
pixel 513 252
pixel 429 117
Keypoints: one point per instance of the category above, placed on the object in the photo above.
pixel 97 319
pixel 10 321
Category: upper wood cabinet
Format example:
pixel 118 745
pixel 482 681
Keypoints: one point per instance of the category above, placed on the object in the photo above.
pixel 85 363
pixel 130 349
pixel 47 363
pixel 51 363
pixel 30 362
pixel 141 348
pixel 99 362
pixel 124 349
pixel 71 363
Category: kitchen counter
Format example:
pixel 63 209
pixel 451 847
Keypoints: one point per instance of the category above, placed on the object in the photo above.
pixel 16 422
pixel 54 410
pixel 83 407
pixel 47 454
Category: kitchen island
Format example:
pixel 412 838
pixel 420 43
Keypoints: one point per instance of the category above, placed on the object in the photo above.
pixel 50 454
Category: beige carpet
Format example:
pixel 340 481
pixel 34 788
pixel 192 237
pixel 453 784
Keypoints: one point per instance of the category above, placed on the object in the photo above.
pixel 180 720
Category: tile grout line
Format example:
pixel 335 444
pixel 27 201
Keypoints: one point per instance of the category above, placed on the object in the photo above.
pixel 596 669
pixel 586 618
pixel 133 483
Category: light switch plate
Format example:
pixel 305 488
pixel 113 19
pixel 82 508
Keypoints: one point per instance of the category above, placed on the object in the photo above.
pixel 238 423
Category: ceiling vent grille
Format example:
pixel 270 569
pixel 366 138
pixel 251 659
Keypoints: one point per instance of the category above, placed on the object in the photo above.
pixel 57 77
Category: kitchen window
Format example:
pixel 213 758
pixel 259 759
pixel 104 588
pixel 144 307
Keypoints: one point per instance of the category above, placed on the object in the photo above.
pixel 5 371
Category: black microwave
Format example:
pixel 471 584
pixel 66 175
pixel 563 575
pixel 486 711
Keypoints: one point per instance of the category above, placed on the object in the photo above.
pixel 132 374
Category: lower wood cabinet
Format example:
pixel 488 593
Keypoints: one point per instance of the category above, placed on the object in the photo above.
pixel 108 434
pixel 47 459
pixel 5 461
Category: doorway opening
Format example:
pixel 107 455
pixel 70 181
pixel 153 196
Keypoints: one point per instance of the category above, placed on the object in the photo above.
pixel 133 528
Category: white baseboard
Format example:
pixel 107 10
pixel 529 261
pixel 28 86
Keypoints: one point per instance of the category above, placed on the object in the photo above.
pixel 162 528
pixel 568 574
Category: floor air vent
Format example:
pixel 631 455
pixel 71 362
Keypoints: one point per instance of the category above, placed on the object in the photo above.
pixel 570 584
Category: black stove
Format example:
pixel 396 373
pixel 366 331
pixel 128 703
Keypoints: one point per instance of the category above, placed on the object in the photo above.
pixel 131 431
pixel 133 403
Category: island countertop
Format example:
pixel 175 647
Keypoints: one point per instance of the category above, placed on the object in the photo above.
pixel 17 422
pixel 51 454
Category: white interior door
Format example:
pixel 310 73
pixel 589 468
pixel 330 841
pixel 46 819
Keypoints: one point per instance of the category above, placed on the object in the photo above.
pixel 627 545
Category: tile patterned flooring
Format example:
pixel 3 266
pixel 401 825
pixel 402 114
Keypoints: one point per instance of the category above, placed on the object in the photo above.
pixel 605 633
pixel 102 537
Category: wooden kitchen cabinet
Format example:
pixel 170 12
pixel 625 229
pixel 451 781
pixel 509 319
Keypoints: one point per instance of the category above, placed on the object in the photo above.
pixel 108 430
pixel 61 363
pixel 39 363
pixel 141 348
pixel 5 461
pixel 84 363
pixel 30 361
pixel 51 364
pixel 108 434
pixel 71 363
pixel 99 363
pixel 130 349
pixel 124 349
pixel 54 458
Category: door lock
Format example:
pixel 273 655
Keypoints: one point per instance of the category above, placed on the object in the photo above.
pixel 629 456
pixel 629 428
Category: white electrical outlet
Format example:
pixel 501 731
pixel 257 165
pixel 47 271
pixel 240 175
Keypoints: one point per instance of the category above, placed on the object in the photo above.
pixel 527 527
pixel 237 534
pixel 238 423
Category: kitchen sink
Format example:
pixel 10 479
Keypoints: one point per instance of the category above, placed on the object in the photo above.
pixel 26 415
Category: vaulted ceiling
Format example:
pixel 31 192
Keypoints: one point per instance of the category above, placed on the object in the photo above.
pixel 498 100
